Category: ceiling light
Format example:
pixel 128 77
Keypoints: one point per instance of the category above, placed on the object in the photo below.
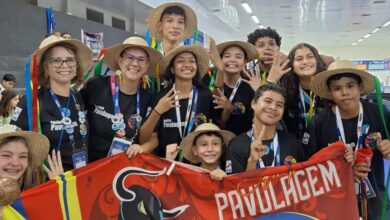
pixel 365 15
pixel 360 40
pixel 377 2
pixel 386 24
pixel 255 19
pixel 367 36
pixel 375 30
pixel 247 8
pixel 354 44
pixel 261 26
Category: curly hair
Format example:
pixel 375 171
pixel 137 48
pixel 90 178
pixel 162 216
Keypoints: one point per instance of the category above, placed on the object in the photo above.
pixel 44 81
pixel 5 102
pixel 265 32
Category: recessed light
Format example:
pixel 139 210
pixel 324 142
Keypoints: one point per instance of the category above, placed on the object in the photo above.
pixel 354 44
pixel 285 6
pixel 290 26
pixel 367 36
pixel 360 40
pixel 288 18
pixel 378 2
pixel 386 24
pixel 216 10
pixel 356 23
pixel 247 8
pixel 255 19
pixel 375 30
pixel 365 15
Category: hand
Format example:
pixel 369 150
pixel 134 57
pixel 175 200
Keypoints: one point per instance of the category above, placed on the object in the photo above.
pixel 134 150
pixel 383 146
pixel 215 56
pixel 253 79
pixel 221 101
pixel 349 155
pixel 171 151
pixel 266 56
pixel 257 149
pixel 55 164
pixel 167 102
pixel 217 174
pixel 360 171
pixel 278 68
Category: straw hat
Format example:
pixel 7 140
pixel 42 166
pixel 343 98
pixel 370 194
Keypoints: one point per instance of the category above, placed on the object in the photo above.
pixel 202 58
pixel 250 49
pixel 154 18
pixel 319 86
pixel 83 53
pixel 112 53
pixel 37 144
pixel 188 142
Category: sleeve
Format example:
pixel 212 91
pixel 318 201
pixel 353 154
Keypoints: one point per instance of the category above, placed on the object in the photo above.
pixel 87 91
pixel 299 152
pixel 19 116
pixel 236 157
pixel 310 140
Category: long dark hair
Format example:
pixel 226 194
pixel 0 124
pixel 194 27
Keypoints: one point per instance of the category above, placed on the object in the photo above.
pixel 291 81
pixel 5 107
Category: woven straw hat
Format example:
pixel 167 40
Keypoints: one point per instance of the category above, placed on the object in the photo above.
pixel 37 144
pixel 202 58
pixel 319 86
pixel 154 18
pixel 188 142
pixel 83 53
pixel 112 53
pixel 250 49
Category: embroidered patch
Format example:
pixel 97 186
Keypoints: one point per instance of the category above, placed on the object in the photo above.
pixel 305 138
pixel 16 114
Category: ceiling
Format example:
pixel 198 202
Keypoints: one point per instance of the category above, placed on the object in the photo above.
pixel 319 22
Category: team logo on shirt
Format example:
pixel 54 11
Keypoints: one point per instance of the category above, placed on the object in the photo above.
pixel 238 108
pixel 200 119
pixel 134 121
pixel 16 114
pixel 305 138
pixel 99 110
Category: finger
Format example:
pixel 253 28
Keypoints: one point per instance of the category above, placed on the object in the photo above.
pixel 245 81
pixel 262 132
pixel 286 71
pixel 268 62
pixel 170 92
pixel 378 138
pixel 47 170
pixel 284 64
pixel 219 92
pixel 59 158
pixel 49 160
pixel 254 129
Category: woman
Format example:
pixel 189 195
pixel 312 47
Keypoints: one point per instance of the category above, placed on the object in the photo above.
pixel 7 105
pixel 302 104
pixel 116 104
pixel 181 107
pixel 62 119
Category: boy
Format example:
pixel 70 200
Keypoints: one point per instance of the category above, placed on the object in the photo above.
pixel 9 81
pixel 350 120
pixel 263 145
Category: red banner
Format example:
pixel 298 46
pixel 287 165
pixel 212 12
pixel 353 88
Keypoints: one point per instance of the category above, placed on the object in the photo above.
pixel 148 187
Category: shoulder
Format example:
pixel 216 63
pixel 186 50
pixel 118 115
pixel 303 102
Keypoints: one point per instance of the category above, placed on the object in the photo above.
pixel 239 140
pixel 98 80
pixel 287 137
pixel 323 116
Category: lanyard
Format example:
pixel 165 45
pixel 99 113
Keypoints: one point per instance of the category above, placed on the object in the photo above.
pixel 340 127
pixel 306 99
pixel 238 83
pixel 274 146
pixel 191 111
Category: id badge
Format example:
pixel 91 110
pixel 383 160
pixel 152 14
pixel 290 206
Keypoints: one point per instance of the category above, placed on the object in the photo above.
pixel 369 190
pixel 119 145
pixel 80 158
pixel 228 166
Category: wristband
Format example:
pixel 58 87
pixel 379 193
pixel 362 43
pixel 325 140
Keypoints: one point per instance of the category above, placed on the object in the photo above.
pixel 157 112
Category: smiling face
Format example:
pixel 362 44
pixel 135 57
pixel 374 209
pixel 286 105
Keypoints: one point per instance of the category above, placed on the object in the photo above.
pixel 305 63
pixel 269 108
pixel 234 59
pixel 208 148
pixel 184 66
pixel 133 63
pixel 346 93
pixel 172 27
pixel 61 65
pixel 13 159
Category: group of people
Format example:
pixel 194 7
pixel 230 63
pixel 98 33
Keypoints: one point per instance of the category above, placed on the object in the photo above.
pixel 254 107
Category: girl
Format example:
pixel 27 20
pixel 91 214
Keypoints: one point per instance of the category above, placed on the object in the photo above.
pixel 7 105
pixel 116 104
pixel 62 119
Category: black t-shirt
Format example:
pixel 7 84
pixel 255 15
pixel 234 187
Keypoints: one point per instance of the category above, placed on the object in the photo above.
pixel 166 128
pixel 322 131
pixel 238 151
pixel 50 121
pixel 100 109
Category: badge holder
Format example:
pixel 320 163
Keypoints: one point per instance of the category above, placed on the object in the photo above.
pixel 80 158
pixel 119 145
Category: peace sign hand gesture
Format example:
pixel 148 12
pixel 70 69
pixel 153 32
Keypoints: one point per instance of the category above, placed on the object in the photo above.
pixel 257 149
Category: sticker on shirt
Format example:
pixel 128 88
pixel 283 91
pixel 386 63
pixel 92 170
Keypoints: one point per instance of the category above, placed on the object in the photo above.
pixel 118 145
pixel 238 108
pixel 80 158
pixel 200 118
pixel 134 121
pixel 289 160
pixel 16 114
pixel 305 138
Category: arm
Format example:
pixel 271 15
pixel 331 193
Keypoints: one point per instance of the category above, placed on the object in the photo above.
pixel 146 147
pixel 327 59
pixel 217 62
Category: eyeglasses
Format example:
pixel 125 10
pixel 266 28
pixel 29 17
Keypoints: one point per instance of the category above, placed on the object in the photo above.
pixel 130 58
pixel 57 62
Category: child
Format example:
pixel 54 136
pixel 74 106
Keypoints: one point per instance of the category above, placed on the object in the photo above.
pixel 8 82
pixel 350 120
pixel 7 105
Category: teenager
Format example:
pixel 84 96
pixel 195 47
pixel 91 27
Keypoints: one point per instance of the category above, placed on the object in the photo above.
pixel 8 82
pixel 7 106
pixel 305 62
pixel 181 107
pixel 264 145
pixel 60 63
pixel 117 103
pixel 350 120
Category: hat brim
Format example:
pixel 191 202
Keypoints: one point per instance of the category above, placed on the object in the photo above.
pixel 154 17
pixel 319 86
pixel 202 58
pixel 250 49
pixel 188 142
pixel 38 145
pixel 112 54
pixel 84 55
